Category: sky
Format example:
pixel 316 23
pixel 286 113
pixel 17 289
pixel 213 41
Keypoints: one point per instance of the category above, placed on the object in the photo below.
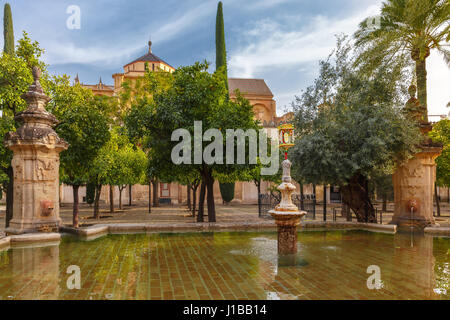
pixel 280 41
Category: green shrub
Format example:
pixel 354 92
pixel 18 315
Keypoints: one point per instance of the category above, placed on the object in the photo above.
pixel 90 193
pixel 227 191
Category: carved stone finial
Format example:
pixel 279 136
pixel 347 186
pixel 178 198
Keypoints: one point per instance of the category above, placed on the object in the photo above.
pixel 36 85
pixel 286 164
pixel 36 73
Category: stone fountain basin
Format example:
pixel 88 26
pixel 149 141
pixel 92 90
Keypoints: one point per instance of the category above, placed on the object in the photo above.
pixel 287 215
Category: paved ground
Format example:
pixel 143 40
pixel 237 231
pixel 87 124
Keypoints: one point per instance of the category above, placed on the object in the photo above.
pixel 177 214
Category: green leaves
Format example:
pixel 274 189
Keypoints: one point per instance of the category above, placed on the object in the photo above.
pixel 84 124
pixel 407 31
pixel 359 129
pixel 179 99
pixel 15 78
pixel 441 133
pixel 119 162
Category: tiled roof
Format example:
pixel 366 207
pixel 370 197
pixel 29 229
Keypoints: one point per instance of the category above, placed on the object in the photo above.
pixel 249 86
pixel 149 57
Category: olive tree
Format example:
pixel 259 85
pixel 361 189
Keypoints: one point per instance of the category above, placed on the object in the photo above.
pixel 350 128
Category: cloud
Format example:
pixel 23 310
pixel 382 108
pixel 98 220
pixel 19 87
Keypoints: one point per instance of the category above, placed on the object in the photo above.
pixel 264 4
pixel 68 52
pixel 270 46
pixel 187 21
pixel 113 52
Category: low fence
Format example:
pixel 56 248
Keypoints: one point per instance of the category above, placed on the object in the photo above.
pixel 268 202
pixel 350 216
pixel 308 203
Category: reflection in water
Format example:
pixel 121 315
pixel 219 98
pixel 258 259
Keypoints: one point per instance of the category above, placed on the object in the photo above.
pixel 34 273
pixel 230 266
pixel 414 252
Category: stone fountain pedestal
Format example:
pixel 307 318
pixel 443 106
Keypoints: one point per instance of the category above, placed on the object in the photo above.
pixel 414 190
pixel 35 163
pixel 286 214
pixel 414 180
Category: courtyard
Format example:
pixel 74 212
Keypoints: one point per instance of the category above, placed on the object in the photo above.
pixel 233 213
pixel 304 154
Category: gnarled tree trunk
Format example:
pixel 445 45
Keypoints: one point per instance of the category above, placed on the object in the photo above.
pixel 258 186
pixel 194 199
pixel 76 210
pixel 201 203
pixel 324 202
pixel 111 198
pixel 149 197
pixel 210 196
pixel 98 190
pixel 356 196
pixel 130 195
pixel 189 203
pixel 155 193
pixel 121 188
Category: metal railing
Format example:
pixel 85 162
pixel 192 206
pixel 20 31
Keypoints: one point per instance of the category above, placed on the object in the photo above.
pixel 268 202
pixel 378 215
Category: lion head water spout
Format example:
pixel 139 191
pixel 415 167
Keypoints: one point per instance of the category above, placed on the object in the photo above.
pixel 286 214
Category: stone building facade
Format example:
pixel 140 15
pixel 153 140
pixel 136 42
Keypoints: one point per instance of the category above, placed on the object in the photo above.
pixel 255 90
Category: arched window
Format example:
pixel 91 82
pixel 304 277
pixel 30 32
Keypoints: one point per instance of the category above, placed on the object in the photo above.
pixel 260 112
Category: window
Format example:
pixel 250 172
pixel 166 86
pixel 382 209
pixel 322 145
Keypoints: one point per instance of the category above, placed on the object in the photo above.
pixel 165 190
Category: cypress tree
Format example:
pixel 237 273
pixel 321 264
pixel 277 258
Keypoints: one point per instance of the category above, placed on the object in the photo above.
pixel 221 52
pixel 226 189
pixel 8 34
pixel 8 30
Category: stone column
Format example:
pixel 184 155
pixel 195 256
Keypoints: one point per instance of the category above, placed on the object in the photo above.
pixel 287 233
pixel 414 181
pixel 36 148
pixel 286 214
pixel 414 189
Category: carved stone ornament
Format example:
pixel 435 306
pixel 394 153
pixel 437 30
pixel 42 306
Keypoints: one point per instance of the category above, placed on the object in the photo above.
pixel 36 147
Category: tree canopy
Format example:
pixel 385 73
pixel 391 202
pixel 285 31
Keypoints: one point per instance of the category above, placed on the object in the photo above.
pixel 441 133
pixel 350 129
pixel 83 122
pixel 191 95
pixel 405 33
